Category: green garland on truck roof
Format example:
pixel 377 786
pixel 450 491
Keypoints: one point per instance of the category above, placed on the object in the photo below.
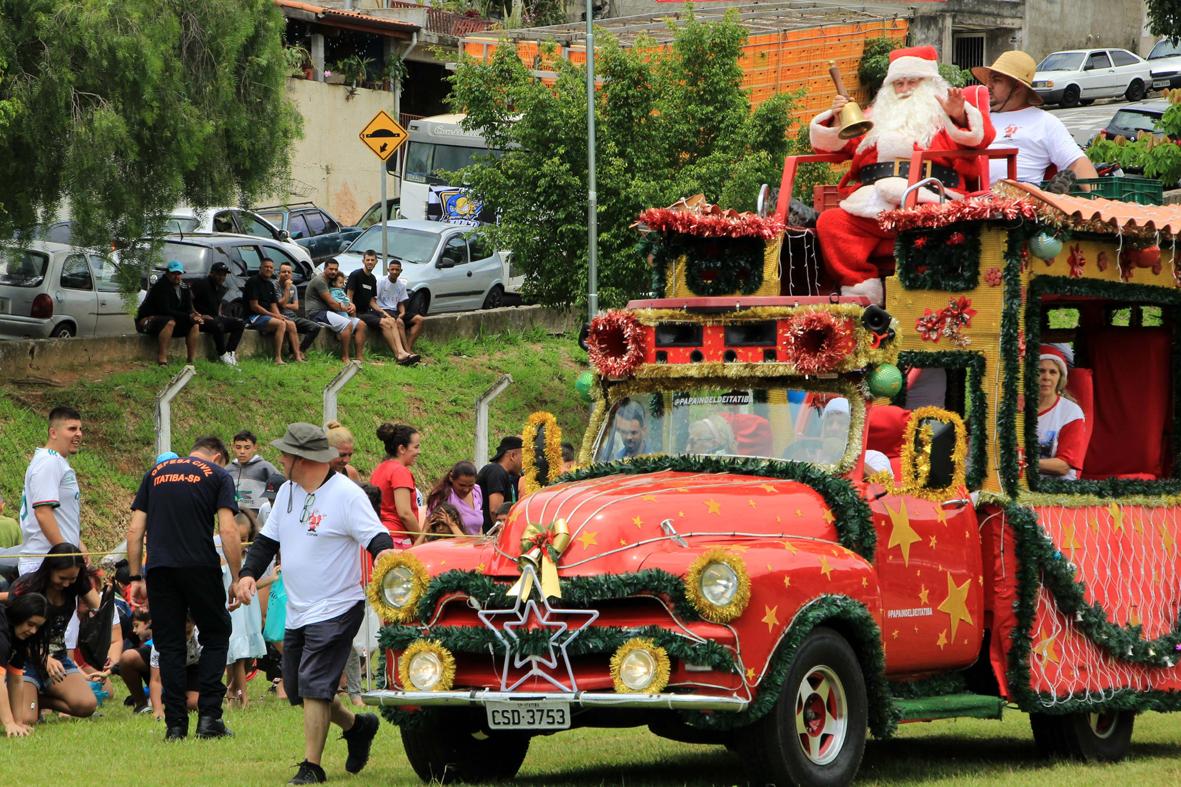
pixel 932 259
pixel 858 627
pixel 854 523
pixel 974 364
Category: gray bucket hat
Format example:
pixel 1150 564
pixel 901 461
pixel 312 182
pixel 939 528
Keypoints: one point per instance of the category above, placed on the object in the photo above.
pixel 306 441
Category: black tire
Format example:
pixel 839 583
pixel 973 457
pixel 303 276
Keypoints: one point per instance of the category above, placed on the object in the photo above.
pixel 1070 96
pixel 420 303
pixel 450 747
pixel 1091 737
pixel 495 297
pixel 1086 102
pixel 824 692
pixel 235 309
pixel 1136 90
pixel 64 330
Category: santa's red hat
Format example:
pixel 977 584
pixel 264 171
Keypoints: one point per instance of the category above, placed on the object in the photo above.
pixel 921 62
pixel 1048 352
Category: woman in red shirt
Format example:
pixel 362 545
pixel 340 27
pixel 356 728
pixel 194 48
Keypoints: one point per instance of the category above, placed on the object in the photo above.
pixel 399 497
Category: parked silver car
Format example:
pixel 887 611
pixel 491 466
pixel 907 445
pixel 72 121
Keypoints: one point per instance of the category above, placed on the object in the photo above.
pixel 1079 76
pixel 55 290
pixel 233 220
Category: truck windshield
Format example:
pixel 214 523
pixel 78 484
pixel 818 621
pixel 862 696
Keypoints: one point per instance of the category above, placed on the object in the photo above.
pixel 424 160
pixel 772 423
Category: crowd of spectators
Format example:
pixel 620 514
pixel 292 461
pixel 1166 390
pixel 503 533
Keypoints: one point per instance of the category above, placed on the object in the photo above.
pixel 351 307
pixel 61 591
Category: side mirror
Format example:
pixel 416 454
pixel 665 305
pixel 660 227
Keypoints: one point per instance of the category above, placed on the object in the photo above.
pixel 934 451
pixel 445 262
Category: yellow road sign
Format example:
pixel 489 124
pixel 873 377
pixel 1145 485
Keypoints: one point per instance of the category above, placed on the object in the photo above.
pixel 383 135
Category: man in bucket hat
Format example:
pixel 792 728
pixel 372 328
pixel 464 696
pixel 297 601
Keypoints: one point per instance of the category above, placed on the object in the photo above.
pixel 1041 139
pixel 318 519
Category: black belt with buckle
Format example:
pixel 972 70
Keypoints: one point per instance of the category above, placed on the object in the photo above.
pixel 871 173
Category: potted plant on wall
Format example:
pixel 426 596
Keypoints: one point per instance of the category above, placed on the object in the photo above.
pixel 355 70
pixel 299 62
pixel 393 73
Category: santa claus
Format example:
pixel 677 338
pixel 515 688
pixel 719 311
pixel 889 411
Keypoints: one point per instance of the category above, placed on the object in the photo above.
pixel 915 110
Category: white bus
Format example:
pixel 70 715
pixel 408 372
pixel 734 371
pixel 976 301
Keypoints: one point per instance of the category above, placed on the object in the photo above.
pixel 437 144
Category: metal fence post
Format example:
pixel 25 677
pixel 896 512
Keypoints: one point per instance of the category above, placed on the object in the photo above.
pixel 333 388
pixel 482 403
pixel 164 408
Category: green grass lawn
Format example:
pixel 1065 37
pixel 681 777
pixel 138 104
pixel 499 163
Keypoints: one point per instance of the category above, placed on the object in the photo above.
pixel 119 748
pixel 438 397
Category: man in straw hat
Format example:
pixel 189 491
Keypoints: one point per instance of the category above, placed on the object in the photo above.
pixel 1040 138
pixel 915 110
pixel 318 519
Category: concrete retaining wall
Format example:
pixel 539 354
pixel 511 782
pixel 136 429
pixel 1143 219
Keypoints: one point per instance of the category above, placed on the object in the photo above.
pixel 41 358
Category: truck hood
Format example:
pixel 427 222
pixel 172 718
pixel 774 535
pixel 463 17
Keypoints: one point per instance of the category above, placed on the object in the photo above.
pixel 619 523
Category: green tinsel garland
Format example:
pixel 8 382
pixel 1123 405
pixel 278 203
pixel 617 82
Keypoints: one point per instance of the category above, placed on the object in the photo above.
pixel 857 625
pixel 576 591
pixel 1170 301
pixel 854 523
pixel 977 409
pixel 939 264
pixel 1011 357
pixel 738 270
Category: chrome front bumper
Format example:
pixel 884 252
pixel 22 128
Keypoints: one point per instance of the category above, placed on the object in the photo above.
pixel 583 699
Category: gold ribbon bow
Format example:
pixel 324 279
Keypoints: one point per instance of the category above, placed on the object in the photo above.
pixel 541 546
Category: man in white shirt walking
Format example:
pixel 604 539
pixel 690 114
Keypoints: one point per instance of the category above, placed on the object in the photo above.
pixel 51 501
pixel 1040 138
pixel 318 519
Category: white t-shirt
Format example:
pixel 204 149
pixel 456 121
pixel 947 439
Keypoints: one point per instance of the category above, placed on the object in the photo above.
pixel 1061 434
pixel 192 651
pixel 49 481
pixel 1041 140
pixel 391 293
pixel 318 536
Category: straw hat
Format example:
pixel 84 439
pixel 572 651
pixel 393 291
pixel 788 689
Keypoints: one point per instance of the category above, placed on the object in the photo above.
pixel 1014 64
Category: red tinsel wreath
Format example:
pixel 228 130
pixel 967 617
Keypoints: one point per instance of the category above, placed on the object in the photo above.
pixel 818 341
pixel 713 224
pixel 615 343
pixel 934 215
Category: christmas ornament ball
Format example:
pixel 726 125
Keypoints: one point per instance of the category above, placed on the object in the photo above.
pixel 1044 246
pixel 885 380
pixel 583 385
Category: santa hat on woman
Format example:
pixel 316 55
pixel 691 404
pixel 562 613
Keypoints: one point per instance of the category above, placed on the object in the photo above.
pixel 916 62
pixel 1049 352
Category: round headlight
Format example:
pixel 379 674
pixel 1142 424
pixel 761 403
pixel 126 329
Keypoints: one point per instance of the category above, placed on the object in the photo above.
pixel 637 669
pixel 397 587
pixel 719 584
pixel 425 670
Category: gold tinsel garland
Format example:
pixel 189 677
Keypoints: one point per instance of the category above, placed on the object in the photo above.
pixel 663 666
pixel 446 661
pixel 916 463
pixel 553 450
pixel 710 612
pixel 420 580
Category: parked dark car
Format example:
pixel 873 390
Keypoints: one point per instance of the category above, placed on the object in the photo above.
pixel 312 228
pixel 1130 120
pixel 1165 61
pixel 241 253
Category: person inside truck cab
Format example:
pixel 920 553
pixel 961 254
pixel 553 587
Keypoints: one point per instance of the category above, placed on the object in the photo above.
pixel 711 436
pixel 1043 144
pixel 631 425
pixel 1060 435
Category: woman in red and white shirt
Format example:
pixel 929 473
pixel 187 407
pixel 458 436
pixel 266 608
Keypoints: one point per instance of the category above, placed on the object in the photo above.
pixel 1060 434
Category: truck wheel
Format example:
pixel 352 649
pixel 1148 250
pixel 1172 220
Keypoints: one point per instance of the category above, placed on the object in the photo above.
pixel 815 734
pixel 1092 737
pixel 453 747
pixel 1070 96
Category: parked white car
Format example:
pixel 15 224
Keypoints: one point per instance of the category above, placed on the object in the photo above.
pixel 446 267
pixel 1165 62
pixel 1079 76
pixel 236 221
pixel 54 290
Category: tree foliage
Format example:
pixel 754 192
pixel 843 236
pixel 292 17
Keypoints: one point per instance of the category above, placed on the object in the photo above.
pixel 668 124
pixel 875 61
pixel 124 109
pixel 1164 18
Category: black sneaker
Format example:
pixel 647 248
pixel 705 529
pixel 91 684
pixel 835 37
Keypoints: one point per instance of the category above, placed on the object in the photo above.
pixel 309 773
pixel 360 739
pixel 176 734
pixel 209 727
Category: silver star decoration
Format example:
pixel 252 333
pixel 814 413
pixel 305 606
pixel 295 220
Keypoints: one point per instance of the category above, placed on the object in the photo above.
pixel 565 624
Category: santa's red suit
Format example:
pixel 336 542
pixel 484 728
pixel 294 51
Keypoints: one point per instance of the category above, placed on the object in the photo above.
pixel 850 236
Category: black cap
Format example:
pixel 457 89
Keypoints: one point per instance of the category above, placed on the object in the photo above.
pixel 274 481
pixel 219 267
pixel 510 443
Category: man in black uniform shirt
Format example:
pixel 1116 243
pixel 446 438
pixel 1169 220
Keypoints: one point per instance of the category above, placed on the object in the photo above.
pixel 208 294
pixel 176 502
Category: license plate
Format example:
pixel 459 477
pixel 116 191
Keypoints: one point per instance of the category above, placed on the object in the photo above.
pixel 1158 83
pixel 543 715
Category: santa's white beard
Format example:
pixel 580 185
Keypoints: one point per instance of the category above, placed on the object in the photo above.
pixel 900 123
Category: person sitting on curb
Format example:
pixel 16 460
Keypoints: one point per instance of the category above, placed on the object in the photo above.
pixel 362 291
pixel 167 311
pixel 208 296
pixel 391 299
pixel 307 329
pixel 263 315
pixel 1041 139
pixel 322 307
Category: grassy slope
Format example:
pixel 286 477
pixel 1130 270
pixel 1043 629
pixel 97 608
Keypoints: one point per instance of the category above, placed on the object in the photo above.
pixel 268 742
pixel 438 397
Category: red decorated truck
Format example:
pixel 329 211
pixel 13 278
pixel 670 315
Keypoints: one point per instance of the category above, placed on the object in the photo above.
pixel 800 519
